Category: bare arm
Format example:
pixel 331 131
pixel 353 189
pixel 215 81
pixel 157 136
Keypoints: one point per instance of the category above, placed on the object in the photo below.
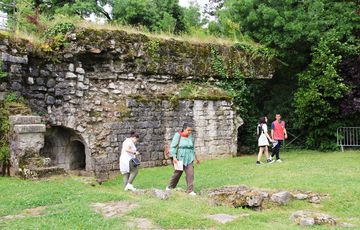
pixel 129 150
pixel 272 134
pixel 285 133
pixel 267 135
pixel 197 159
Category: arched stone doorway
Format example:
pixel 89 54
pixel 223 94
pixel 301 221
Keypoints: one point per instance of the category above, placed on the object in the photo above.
pixel 77 155
pixel 65 148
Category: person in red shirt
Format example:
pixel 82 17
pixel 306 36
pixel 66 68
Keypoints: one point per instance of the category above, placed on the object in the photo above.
pixel 278 133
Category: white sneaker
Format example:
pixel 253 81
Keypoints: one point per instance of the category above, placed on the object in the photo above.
pixel 167 189
pixel 192 194
pixel 278 161
pixel 130 187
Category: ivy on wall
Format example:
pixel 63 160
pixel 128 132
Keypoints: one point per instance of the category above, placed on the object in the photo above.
pixel 4 134
pixel 4 129
pixel 233 81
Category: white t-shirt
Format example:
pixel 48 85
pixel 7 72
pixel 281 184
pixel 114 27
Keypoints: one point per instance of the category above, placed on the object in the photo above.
pixel 125 156
pixel 264 128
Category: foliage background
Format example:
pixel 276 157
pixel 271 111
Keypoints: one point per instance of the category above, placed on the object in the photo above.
pixel 316 44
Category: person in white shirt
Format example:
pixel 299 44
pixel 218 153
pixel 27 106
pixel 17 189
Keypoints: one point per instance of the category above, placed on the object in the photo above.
pixel 263 141
pixel 127 166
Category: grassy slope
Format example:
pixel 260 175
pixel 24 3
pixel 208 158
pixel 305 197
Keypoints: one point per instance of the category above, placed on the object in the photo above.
pixel 337 174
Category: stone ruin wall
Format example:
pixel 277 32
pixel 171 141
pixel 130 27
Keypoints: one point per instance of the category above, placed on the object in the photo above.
pixel 101 88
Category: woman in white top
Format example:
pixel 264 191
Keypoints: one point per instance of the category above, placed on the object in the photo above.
pixel 127 166
pixel 263 141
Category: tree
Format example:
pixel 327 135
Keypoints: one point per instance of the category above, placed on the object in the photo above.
pixel 83 8
pixel 192 18
pixel 349 68
pixel 320 91
pixel 295 29
pixel 160 15
pixel 27 13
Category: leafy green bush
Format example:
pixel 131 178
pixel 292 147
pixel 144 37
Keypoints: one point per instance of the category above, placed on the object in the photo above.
pixel 11 97
pixel 256 50
pixel 59 29
pixel 4 133
pixel 320 90
pixel 2 73
pixel 56 36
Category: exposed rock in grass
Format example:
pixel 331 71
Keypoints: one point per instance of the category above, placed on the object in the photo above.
pixel 310 196
pixel 300 196
pixel 307 221
pixel 38 211
pixel 239 196
pixel 282 197
pixel 113 208
pixel 161 194
pixel 315 199
pixel 222 218
pixel 346 225
pixel 141 223
pixel 257 199
pixel 308 218
pixel 158 193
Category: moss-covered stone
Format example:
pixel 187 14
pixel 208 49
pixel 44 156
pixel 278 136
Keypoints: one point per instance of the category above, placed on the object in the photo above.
pixel 160 56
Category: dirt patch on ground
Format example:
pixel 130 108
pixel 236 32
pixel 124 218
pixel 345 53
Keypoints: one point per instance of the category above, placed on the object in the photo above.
pixel 113 208
pixel 38 211
pixel 141 223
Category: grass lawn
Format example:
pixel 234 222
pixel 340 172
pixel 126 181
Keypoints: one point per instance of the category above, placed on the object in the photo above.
pixel 68 199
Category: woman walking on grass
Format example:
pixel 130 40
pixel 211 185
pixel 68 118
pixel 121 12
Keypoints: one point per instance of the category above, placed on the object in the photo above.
pixel 263 141
pixel 128 161
pixel 182 152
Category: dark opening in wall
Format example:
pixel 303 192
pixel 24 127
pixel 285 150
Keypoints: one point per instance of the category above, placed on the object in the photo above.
pixel 65 148
pixel 77 153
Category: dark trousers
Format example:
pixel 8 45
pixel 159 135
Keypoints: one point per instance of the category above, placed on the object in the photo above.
pixel 189 171
pixel 276 150
pixel 130 177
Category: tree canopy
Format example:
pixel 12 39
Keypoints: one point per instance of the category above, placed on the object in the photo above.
pixel 312 38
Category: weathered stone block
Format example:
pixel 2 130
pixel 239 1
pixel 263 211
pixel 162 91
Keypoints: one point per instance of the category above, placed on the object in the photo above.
pixel 50 100
pixel 14 59
pixel 70 75
pixel 15 120
pixel 50 83
pixel 30 128
pixel 80 70
pixel 281 197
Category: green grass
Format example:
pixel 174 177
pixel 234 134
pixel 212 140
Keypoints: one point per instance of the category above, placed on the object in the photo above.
pixel 68 198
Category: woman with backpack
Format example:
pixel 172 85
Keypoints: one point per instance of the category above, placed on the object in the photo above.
pixel 182 152
pixel 263 140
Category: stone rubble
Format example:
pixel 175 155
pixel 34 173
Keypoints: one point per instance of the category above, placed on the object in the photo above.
pixel 308 218
pixel 254 198
pixel 157 193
